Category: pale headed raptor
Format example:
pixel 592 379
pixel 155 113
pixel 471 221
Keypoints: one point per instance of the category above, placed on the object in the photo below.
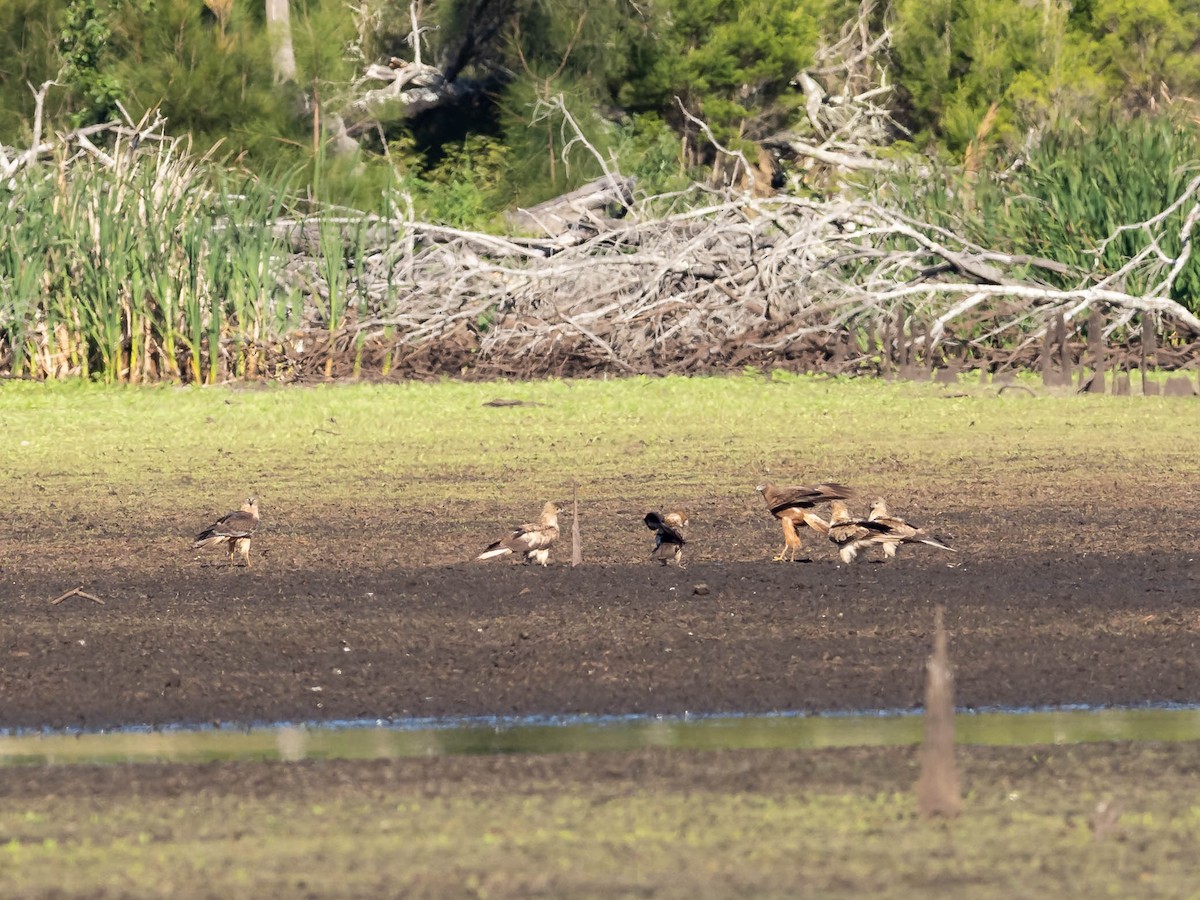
pixel 532 540
pixel 852 535
pixel 234 530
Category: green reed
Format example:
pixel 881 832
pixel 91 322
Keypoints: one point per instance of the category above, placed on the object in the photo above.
pixel 157 268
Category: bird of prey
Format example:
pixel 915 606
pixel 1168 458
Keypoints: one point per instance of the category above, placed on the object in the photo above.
pixel 793 506
pixel 909 533
pixel 234 529
pixel 668 536
pixel 852 535
pixel 533 540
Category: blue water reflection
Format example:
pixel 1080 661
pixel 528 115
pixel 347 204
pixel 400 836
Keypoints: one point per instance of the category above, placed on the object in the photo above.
pixel 381 739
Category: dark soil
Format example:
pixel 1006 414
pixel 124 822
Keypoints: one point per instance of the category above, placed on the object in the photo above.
pixel 353 614
pixel 1079 611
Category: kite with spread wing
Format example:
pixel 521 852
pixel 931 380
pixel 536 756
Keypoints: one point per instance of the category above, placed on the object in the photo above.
pixel 852 535
pixel 668 536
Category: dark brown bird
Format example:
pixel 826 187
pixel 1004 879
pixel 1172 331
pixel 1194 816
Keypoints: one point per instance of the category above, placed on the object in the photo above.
pixel 668 536
pixel 852 535
pixel 233 529
pixel 793 506
pixel 533 540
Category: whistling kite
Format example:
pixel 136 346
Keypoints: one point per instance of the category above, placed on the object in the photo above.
pixel 532 540
pixel 852 535
pixel 792 507
pixel 668 536
pixel 233 529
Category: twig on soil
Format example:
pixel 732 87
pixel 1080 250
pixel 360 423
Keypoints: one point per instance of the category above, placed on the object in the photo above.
pixel 76 592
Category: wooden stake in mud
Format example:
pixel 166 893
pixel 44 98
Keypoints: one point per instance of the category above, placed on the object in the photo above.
pixel 1064 351
pixel 576 545
pixel 1149 353
pixel 1098 352
pixel 938 791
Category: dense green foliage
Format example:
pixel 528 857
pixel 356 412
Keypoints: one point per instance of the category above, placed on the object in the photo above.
pixel 1078 185
pixel 1049 123
pixel 969 72
pixel 138 277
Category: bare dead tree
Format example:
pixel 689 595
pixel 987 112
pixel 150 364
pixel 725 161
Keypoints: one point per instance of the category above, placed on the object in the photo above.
pixel 279 26
pixel 847 99
pixel 690 282
pixel 80 143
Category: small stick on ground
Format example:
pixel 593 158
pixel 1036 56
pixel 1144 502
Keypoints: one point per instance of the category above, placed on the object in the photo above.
pixel 76 592
pixel 576 545
pixel 938 791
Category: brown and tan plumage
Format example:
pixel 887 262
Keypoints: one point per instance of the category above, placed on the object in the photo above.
pixel 532 540
pixel 852 535
pixel 909 534
pixel 233 529
pixel 793 507
pixel 668 536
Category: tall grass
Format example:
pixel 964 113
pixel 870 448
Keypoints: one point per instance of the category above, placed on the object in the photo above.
pixel 168 267
pixel 157 269
pixel 1077 185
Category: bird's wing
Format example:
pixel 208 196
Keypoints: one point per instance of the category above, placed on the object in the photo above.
pixel 531 537
pixel 899 528
pixel 666 533
pixel 876 529
pixel 845 532
pixel 804 495
pixel 237 524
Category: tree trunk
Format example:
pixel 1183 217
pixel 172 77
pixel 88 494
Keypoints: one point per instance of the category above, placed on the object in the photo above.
pixel 279 26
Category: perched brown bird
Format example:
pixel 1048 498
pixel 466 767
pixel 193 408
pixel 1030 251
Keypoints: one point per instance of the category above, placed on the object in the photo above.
pixel 532 540
pixel 793 506
pixel 233 529
pixel 668 536
pixel 909 534
pixel 852 535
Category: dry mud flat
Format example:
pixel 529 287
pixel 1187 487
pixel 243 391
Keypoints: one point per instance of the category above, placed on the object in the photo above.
pixel 1046 604
pixel 335 634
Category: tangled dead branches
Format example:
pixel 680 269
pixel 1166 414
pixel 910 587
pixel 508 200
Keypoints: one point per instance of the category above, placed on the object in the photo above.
pixel 739 279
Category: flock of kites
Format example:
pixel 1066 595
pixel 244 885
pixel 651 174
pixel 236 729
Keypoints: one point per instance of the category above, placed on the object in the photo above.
pixel 792 506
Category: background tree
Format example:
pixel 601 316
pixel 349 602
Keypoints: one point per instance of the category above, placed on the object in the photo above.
pixel 730 64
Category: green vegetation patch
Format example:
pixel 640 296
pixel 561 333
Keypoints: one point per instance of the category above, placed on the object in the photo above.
pixel 668 439
pixel 1078 822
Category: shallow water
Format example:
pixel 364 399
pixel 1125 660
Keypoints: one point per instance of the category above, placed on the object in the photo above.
pixel 390 739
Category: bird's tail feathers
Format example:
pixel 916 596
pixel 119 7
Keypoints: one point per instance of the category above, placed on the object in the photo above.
pixel 494 550
pixel 207 539
pixel 816 523
pixel 938 542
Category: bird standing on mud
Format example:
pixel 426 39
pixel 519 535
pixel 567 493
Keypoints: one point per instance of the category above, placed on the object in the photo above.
pixel 793 506
pixel 233 529
pixel 533 540
pixel 908 534
pixel 852 535
pixel 668 536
